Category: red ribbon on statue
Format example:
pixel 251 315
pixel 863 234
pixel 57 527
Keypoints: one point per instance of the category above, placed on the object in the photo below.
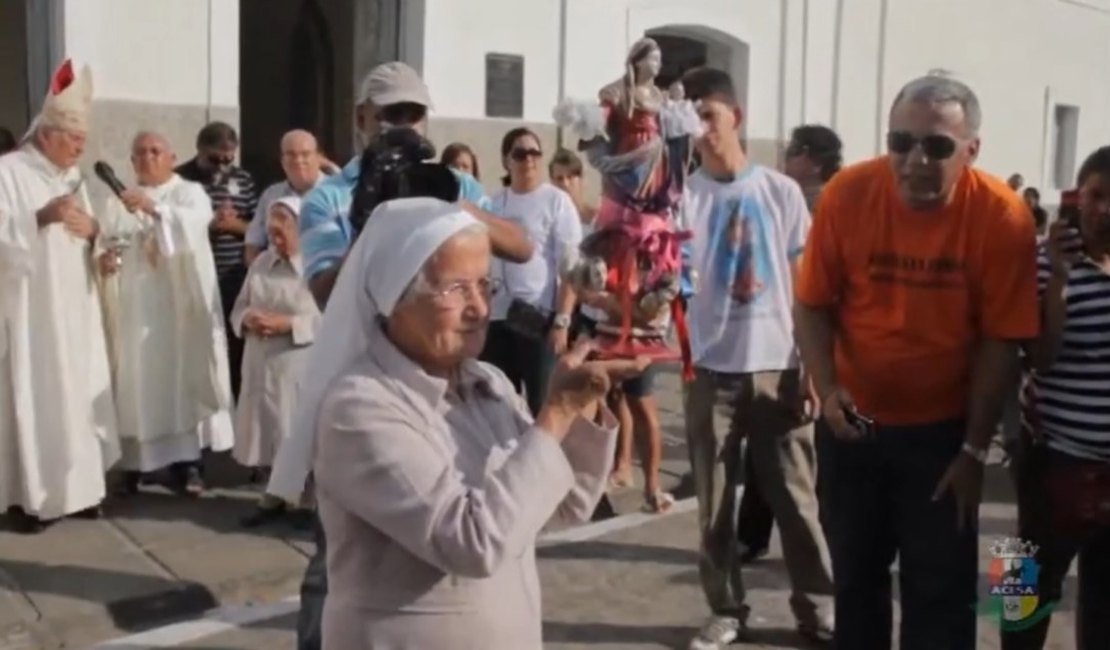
pixel 683 332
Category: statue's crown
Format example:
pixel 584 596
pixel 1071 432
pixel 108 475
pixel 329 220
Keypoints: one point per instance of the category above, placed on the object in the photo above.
pixel 1013 547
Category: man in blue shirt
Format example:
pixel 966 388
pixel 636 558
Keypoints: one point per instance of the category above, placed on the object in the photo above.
pixel 393 95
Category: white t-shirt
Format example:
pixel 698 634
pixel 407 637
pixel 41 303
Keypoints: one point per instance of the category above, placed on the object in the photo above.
pixel 746 233
pixel 549 217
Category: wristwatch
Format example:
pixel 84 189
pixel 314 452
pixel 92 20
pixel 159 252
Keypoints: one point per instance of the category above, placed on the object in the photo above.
pixel 978 454
pixel 561 322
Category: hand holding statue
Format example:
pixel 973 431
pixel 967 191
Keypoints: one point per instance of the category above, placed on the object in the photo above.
pixel 577 387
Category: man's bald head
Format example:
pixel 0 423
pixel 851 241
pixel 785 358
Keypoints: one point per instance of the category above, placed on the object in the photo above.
pixel 153 158
pixel 298 139
pixel 300 159
pixel 150 137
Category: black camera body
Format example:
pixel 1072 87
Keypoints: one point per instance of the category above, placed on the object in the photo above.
pixel 393 167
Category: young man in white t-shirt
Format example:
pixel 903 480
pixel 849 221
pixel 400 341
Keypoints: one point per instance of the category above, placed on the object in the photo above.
pixel 749 227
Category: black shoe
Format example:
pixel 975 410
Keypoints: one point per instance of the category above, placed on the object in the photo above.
pixel 93 513
pixel 750 554
pixel 129 486
pixel 22 523
pixel 262 516
pixel 301 519
pixel 186 480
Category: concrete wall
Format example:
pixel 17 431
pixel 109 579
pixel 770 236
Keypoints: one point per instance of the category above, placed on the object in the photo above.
pixel 837 62
pixel 167 66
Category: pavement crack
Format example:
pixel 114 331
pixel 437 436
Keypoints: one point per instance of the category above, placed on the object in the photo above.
pixel 133 544
pixel 20 601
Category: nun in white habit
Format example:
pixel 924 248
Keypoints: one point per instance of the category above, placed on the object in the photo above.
pixel 277 317
pixel 433 480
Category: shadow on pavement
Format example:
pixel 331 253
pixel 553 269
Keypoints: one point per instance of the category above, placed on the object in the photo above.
pixel 675 636
pixel 159 598
pixel 616 551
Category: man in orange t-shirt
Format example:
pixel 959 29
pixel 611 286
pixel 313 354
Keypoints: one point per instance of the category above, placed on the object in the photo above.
pixel 918 283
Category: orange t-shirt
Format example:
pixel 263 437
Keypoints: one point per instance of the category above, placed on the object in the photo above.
pixel 914 291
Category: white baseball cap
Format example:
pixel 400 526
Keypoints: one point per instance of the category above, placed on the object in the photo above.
pixel 394 83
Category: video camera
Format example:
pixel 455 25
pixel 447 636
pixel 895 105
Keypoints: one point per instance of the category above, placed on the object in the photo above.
pixel 393 167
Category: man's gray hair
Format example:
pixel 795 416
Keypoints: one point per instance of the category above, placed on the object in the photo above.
pixel 937 89
pixel 147 133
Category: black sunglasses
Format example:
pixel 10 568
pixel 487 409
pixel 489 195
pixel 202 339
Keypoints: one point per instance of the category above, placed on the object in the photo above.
pixel 520 155
pixel 796 149
pixel 935 147
pixel 220 160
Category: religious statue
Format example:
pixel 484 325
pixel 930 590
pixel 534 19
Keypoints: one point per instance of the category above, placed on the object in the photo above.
pixel 640 140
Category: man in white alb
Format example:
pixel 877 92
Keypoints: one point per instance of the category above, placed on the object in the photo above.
pixel 165 325
pixel 57 420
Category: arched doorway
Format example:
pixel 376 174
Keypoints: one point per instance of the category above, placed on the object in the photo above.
pixel 690 46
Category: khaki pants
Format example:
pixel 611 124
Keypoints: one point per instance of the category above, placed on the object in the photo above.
pixel 762 407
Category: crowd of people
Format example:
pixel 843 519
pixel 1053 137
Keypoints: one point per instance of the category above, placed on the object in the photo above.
pixel 871 321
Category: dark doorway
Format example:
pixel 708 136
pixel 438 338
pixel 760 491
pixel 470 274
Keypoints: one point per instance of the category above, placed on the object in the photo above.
pixel 312 76
pixel 288 52
pixel 679 55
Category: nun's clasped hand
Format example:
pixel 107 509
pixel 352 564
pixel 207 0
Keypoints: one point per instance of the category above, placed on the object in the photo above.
pixel 577 386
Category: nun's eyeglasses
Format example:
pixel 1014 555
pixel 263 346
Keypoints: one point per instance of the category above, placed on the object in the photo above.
pixel 462 292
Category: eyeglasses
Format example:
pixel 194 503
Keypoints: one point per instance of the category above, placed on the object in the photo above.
pixel 459 293
pixel 520 155
pixel 935 147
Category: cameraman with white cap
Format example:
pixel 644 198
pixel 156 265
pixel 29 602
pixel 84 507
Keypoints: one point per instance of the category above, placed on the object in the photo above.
pixel 391 96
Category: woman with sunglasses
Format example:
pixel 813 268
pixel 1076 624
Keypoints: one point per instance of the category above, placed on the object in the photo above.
pixel 530 318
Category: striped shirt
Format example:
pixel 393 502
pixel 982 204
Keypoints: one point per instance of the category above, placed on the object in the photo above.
pixel 1073 396
pixel 237 188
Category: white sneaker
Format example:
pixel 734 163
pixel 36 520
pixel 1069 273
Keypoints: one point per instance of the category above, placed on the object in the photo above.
pixel 717 633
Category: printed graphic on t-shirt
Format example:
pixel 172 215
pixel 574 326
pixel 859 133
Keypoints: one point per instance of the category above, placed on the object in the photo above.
pixel 941 271
pixel 741 246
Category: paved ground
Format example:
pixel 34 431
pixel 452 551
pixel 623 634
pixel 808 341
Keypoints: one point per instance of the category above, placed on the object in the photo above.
pixel 157 559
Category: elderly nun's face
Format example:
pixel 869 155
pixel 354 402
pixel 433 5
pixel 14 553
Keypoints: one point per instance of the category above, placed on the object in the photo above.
pixel 281 228
pixel 443 320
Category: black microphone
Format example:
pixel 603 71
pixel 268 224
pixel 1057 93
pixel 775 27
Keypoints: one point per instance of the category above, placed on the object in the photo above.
pixel 106 174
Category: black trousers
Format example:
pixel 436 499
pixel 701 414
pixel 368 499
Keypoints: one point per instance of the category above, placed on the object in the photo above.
pixel 231 282
pixel 526 362
pixel 314 590
pixel 876 504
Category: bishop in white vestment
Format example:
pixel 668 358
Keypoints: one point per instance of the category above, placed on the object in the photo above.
pixel 165 325
pixel 57 416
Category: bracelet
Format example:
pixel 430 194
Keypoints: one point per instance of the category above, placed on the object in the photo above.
pixel 978 454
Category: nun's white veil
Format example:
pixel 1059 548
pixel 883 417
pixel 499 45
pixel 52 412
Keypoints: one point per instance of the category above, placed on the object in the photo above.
pixel 399 237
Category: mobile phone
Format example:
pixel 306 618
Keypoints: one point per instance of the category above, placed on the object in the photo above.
pixel 863 424
pixel 1069 208
pixel 1069 214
